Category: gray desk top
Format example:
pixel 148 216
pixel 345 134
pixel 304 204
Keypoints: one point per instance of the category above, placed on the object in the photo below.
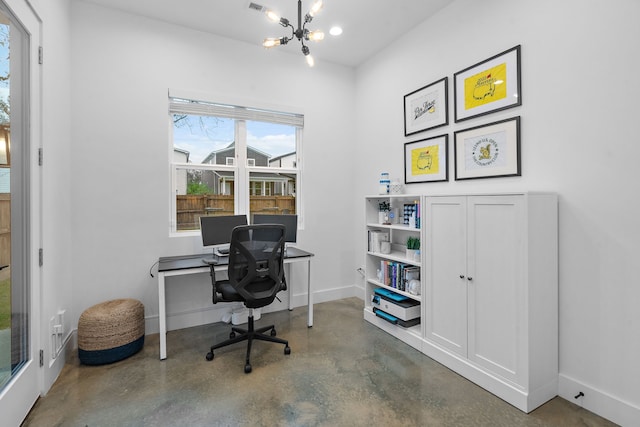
pixel 182 262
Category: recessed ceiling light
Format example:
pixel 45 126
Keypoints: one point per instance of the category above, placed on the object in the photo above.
pixel 335 31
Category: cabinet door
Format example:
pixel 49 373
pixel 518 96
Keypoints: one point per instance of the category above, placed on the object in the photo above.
pixel 445 302
pixel 495 282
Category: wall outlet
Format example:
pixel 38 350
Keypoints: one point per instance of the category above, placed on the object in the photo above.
pixel 61 316
pixel 56 329
pixel 54 336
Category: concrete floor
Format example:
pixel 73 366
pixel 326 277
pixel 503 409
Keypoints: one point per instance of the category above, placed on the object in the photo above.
pixel 341 372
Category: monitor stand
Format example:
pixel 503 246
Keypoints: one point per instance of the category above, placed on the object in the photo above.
pixel 212 260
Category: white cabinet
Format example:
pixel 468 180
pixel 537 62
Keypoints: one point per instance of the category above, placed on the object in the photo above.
pixel 489 297
pixel 381 268
pixel 490 304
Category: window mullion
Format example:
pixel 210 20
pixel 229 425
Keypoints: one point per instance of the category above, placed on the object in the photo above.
pixel 242 174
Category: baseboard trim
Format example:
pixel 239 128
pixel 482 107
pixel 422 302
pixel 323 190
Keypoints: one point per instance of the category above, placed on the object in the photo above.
pixel 203 316
pixel 599 402
pixel 326 295
pixel 55 365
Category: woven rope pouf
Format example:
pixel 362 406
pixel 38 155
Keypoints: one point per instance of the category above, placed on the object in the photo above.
pixel 110 331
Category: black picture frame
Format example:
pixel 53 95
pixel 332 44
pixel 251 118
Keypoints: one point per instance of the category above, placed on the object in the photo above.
pixel 427 160
pixel 494 84
pixel 488 151
pixel 427 108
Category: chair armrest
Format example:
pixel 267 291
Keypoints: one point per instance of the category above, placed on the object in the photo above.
pixel 214 291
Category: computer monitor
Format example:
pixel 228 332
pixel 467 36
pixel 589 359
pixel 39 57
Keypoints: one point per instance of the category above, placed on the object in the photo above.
pixel 216 230
pixel 290 223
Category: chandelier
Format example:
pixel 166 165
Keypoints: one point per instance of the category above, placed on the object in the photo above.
pixel 301 33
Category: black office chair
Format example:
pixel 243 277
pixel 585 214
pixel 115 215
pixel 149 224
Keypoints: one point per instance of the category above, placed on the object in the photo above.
pixel 256 275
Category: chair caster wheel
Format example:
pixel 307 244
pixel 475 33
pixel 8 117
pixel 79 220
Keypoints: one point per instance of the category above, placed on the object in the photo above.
pixel 247 368
pixel 232 335
pixel 210 355
pixel 273 332
pixel 287 350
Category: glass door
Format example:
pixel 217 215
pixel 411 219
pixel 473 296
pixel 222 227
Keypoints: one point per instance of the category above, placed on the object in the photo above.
pixel 6 292
pixel 19 361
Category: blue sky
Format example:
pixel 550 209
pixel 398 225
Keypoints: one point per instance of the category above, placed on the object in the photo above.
pixel 4 64
pixel 4 93
pixel 202 135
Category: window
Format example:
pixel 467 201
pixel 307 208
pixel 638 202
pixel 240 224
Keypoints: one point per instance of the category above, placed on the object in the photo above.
pixel 232 160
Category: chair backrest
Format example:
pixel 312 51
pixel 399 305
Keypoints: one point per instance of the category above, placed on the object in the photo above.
pixel 256 256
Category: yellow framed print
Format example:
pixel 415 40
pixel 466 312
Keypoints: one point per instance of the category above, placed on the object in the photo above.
pixel 488 86
pixel 427 160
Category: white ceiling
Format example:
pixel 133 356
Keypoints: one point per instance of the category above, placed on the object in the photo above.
pixel 369 25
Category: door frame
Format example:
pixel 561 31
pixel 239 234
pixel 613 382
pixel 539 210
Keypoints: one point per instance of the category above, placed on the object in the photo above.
pixel 19 395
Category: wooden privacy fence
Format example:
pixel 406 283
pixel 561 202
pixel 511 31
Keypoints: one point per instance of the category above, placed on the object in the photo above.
pixel 190 207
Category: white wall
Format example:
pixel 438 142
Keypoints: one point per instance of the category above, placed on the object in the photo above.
pixel 579 138
pixel 122 68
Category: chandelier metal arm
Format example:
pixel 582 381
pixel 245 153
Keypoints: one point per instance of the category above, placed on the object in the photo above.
pixel 299 32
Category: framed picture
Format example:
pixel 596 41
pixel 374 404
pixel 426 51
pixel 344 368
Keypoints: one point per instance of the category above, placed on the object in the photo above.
pixel 488 151
pixel 491 85
pixel 427 160
pixel 426 108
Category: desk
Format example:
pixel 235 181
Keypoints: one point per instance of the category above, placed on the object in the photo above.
pixel 192 264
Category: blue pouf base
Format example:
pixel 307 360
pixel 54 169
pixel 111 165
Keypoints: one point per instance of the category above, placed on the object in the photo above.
pixel 110 355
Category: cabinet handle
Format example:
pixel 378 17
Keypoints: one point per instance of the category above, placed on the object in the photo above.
pixel 469 278
pixel 462 276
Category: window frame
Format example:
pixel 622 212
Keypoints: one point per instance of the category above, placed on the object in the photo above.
pixel 241 168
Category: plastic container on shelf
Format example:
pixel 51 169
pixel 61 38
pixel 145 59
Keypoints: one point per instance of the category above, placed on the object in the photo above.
pixel 395 187
pixel 385 182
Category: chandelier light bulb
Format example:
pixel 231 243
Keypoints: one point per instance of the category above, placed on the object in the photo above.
pixel 315 8
pixel 316 36
pixel 310 61
pixel 271 42
pixel 272 16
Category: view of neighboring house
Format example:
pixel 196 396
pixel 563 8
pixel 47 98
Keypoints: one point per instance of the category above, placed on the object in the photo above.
pixel 283 161
pixel 261 183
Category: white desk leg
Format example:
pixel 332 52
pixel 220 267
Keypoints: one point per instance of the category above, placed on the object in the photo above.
pixel 162 317
pixel 310 298
pixel 288 277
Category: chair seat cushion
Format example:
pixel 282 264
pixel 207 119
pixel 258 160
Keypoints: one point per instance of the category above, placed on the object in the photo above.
pixel 227 291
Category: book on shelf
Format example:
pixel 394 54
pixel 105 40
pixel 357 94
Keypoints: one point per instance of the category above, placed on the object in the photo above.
pixel 397 275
